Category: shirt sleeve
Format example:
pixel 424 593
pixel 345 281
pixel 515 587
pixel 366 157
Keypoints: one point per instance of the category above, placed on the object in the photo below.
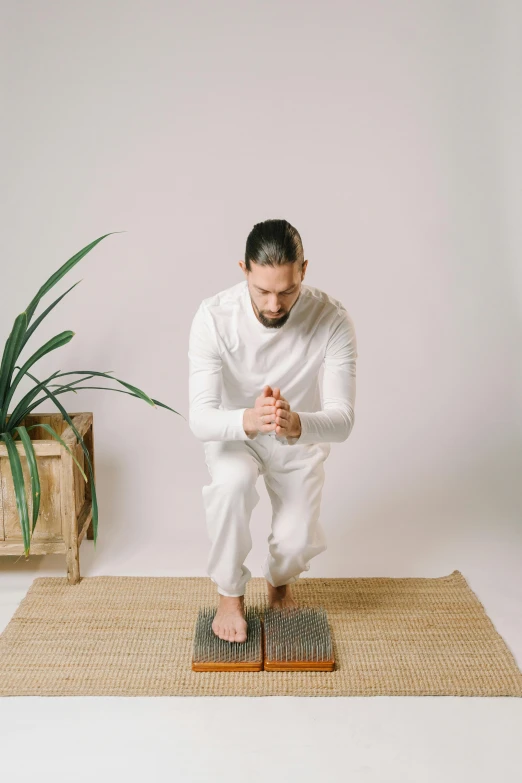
pixel 335 421
pixel 206 420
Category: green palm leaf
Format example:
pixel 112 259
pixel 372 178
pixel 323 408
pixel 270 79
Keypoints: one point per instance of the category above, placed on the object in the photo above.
pixel 18 414
pixel 17 338
pixel 21 410
pixel 64 390
pixel 55 435
pixel 10 355
pixel 42 316
pixel 55 342
pixel 61 272
pixel 19 487
pixel 33 470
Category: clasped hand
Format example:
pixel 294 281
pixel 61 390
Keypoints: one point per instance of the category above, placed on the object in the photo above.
pixel 273 414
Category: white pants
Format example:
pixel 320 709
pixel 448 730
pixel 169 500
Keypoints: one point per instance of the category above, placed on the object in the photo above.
pixel 294 478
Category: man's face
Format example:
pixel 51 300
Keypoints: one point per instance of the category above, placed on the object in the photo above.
pixel 274 291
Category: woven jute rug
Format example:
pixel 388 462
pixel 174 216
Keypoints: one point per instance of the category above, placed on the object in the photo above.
pixel 133 636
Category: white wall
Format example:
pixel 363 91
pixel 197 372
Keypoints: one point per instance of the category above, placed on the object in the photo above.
pixel 389 135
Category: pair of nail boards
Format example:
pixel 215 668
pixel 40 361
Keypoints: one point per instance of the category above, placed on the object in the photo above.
pixel 287 639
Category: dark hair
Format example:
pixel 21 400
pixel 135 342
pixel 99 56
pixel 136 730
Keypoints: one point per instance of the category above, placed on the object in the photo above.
pixel 273 243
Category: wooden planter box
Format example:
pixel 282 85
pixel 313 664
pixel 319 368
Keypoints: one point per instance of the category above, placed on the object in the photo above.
pixel 65 514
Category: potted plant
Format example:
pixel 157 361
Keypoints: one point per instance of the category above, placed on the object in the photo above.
pixel 13 426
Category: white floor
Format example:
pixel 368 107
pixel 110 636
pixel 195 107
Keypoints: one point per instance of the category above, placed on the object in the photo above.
pixel 362 740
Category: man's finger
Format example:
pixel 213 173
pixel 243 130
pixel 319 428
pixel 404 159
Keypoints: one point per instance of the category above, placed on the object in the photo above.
pixel 276 403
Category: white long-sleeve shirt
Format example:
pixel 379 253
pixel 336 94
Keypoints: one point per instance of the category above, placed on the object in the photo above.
pixel 232 356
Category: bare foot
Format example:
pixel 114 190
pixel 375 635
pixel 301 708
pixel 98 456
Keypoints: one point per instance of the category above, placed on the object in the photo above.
pixel 229 623
pixel 280 597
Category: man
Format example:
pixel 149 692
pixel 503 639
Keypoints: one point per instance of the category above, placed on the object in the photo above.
pixel 255 352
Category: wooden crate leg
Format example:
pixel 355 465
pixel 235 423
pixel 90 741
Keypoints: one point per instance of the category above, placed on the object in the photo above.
pixel 73 565
pixel 69 519
pixel 88 439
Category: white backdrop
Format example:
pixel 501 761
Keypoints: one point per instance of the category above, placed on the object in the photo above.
pixel 388 134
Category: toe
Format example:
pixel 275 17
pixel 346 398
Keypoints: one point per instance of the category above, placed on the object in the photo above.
pixel 218 630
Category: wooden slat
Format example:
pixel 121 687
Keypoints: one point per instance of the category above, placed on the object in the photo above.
pixel 37 548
